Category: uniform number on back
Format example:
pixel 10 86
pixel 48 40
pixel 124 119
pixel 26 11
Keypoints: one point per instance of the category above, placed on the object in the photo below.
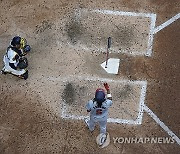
pixel 98 111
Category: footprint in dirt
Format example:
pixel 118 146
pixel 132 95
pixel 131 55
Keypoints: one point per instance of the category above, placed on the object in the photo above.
pixel 74 94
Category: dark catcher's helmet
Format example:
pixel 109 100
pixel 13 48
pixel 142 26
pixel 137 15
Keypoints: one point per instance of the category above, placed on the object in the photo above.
pixel 16 41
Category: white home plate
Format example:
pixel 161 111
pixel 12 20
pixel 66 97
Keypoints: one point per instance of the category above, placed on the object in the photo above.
pixel 112 66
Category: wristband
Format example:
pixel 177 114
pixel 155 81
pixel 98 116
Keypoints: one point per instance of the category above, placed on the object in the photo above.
pixel 109 95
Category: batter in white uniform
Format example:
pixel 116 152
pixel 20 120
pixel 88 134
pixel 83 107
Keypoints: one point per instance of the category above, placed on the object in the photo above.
pixel 98 108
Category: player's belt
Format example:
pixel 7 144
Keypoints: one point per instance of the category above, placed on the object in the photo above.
pixel 95 107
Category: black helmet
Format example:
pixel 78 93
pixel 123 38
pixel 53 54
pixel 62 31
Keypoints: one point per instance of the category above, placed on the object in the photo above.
pixel 16 41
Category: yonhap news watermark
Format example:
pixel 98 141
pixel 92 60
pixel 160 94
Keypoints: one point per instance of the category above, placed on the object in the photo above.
pixel 143 140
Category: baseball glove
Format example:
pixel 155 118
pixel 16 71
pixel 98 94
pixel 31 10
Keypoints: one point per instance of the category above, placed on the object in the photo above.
pixel 27 48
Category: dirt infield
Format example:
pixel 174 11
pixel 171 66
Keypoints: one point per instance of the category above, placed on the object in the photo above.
pixel 68 40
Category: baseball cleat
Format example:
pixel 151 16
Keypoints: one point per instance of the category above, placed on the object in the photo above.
pixel 86 122
pixel 103 140
pixel 3 72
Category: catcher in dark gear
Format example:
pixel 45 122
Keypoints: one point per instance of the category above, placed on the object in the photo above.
pixel 15 61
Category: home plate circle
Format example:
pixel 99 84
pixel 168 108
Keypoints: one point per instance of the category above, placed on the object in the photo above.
pixel 112 66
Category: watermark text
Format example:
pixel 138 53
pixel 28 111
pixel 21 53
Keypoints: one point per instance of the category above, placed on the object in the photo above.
pixel 141 140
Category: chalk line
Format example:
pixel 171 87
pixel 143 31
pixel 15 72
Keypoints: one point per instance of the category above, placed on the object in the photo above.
pixel 151 36
pixel 109 120
pixel 122 13
pixel 141 103
pixel 93 78
pixel 157 29
pixel 152 16
pixel 147 52
pixel 158 121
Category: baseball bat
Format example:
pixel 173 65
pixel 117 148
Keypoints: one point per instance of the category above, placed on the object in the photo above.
pixel 108 47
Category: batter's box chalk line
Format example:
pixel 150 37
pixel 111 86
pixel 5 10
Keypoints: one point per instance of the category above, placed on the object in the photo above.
pixel 153 30
pixel 152 17
pixel 167 23
pixel 138 120
pixel 161 124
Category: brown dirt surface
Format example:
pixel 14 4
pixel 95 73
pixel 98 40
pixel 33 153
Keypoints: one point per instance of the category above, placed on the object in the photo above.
pixel 63 49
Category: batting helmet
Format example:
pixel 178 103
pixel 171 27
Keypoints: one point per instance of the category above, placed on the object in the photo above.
pixel 16 41
pixel 100 95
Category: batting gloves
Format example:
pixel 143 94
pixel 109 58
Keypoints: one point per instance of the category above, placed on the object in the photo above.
pixel 106 86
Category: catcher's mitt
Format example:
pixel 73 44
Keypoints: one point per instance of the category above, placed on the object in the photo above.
pixel 27 48
pixel 23 63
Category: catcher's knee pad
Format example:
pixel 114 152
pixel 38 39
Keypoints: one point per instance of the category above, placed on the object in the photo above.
pixel 23 63
pixel 25 75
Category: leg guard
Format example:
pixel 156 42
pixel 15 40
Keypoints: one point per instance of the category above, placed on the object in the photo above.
pixel 25 75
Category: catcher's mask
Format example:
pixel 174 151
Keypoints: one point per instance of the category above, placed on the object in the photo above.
pixel 99 95
pixel 16 41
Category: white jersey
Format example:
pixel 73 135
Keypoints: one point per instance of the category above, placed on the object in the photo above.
pixel 11 56
pixel 99 113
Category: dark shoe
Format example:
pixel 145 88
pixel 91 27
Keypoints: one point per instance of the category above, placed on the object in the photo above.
pixel 24 76
pixel 3 72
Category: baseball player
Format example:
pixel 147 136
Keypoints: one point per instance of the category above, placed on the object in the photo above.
pixel 98 108
pixel 15 61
